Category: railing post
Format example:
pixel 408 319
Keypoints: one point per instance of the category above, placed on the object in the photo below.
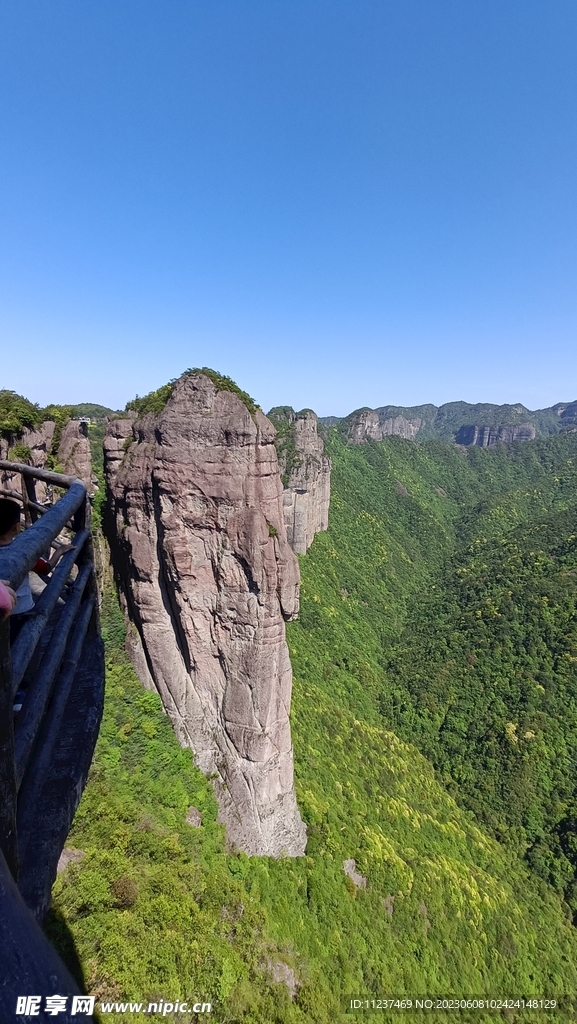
pixel 31 498
pixel 25 505
pixel 8 840
pixel 83 519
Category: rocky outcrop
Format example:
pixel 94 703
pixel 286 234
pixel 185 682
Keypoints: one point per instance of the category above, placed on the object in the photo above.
pixel 40 442
pixel 208 578
pixel 38 446
pixel 350 870
pixel 567 414
pixel 483 424
pixel 375 424
pixel 119 436
pixel 74 453
pixel 306 475
pixel 486 437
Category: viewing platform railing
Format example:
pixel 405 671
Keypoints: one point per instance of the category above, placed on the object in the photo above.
pixel 51 695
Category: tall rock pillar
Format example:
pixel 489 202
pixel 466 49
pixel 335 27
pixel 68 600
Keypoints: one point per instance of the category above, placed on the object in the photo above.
pixel 200 551
pixel 306 474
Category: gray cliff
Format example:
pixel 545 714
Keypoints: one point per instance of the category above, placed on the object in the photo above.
pixel 376 424
pixel 208 580
pixel 483 424
pixel 74 453
pixel 306 475
pixel 486 437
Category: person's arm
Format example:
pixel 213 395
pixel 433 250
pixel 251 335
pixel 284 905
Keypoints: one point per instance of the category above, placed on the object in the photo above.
pixel 58 553
pixel 7 600
pixel 45 565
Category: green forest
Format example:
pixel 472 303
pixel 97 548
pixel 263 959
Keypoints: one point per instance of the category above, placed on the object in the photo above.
pixel 434 723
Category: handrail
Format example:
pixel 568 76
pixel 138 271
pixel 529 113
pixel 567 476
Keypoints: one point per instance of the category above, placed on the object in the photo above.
pixel 30 965
pixel 30 790
pixel 49 477
pixel 19 557
pixel 28 721
pixel 29 635
pixel 61 632
pixel 56 662
pixel 7 492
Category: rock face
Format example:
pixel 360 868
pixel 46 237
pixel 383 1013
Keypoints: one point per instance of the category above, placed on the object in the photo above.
pixel 486 437
pixel 567 414
pixel 200 551
pixel 483 424
pixel 39 442
pixel 350 869
pixel 306 473
pixel 119 435
pixel 74 453
pixel 376 424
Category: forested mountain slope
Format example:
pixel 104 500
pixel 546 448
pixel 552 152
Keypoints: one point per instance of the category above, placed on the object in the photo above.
pixel 478 549
pixel 484 676
pixel 435 904
pixel 483 424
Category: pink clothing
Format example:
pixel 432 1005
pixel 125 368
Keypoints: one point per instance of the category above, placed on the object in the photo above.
pixel 5 599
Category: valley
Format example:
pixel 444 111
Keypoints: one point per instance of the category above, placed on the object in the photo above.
pixel 433 729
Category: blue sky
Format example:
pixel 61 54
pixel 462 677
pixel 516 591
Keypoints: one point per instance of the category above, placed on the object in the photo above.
pixel 336 202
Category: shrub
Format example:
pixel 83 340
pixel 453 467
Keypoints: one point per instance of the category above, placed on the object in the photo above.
pixel 125 892
pixel 155 401
pixel 20 453
pixel 16 413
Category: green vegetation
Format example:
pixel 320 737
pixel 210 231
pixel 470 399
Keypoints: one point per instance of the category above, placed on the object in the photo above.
pixel 443 422
pixel 16 413
pixel 458 587
pixel 96 432
pixel 60 414
pixel 484 677
pixel 156 400
pixel 20 453
pixel 285 441
pixel 283 419
pixel 94 411
pixel 156 907
pixel 224 383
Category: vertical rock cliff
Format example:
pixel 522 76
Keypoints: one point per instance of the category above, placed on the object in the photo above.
pixel 200 552
pixel 74 453
pixel 376 424
pixel 487 437
pixel 306 475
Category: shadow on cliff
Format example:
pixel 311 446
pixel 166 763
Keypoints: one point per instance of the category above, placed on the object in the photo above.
pixel 59 935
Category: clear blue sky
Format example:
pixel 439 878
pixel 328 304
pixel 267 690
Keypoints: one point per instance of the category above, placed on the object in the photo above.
pixel 336 202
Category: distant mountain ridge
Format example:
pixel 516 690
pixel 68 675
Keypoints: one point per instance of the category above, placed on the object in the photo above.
pixel 483 424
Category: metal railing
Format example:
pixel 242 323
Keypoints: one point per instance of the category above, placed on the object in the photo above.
pixel 56 666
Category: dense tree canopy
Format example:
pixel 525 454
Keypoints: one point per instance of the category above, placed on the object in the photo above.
pixel 436 632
